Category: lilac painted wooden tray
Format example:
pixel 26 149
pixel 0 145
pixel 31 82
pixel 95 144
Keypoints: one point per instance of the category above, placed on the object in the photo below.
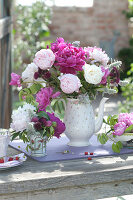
pixel 55 147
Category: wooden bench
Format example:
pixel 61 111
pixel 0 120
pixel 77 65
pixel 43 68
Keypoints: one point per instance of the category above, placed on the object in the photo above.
pixel 80 179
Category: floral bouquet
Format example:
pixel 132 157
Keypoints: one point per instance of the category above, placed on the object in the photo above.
pixel 119 125
pixel 28 120
pixel 63 70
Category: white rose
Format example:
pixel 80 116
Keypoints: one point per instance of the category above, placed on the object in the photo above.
pixel 92 74
pixel 28 73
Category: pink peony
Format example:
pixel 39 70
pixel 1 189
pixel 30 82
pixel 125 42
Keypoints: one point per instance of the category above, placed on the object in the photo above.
pixel 119 128
pixel 106 74
pixel 60 126
pixel 44 59
pixel 125 117
pixel 15 80
pixel 70 83
pixel 70 59
pixel 44 96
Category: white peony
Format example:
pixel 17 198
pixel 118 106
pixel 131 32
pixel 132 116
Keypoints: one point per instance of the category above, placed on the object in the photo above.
pixel 28 73
pixel 92 74
pixel 99 56
pixel 21 117
pixel 95 54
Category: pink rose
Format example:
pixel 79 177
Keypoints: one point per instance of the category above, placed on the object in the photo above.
pixel 126 118
pixel 119 128
pixel 69 83
pixel 44 59
pixel 15 80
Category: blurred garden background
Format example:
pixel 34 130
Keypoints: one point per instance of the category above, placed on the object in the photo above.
pixel 101 23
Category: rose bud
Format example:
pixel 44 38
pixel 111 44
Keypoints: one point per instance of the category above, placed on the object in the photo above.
pixel 38 126
pixel 48 123
pixel 43 120
pixel 34 119
pixel 36 75
pixel 47 75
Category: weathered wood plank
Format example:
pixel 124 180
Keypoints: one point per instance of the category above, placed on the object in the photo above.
pixel 0 80
pixel 36 176
pixel 6 98
pixel 5 26
pixel 1 9
pixel 68 180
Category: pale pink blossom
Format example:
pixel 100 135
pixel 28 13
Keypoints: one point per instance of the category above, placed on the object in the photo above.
pixel 126 118
pixel 44 59
pixel 119 128
pixel 69 83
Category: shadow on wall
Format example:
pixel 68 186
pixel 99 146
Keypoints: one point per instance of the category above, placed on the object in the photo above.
pixel 102 24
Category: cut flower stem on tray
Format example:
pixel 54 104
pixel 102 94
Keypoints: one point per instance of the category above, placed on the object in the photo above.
pixel 119 125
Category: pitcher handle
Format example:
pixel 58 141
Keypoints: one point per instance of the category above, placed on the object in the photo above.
pixel 64 103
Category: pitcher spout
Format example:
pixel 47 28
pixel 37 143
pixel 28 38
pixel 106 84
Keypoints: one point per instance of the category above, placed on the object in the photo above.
pixel 99 119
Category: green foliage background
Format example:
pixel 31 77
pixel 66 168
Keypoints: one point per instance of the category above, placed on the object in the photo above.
pixel 126 55
pixel 30 31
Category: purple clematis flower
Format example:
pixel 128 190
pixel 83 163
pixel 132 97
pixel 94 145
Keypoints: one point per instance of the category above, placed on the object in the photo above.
pixel 60 126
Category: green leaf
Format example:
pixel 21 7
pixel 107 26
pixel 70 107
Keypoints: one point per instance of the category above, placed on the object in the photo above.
pixel 21 94
pixel 43 114
pixel 129 129
pixel 16 134
pixel 35 88
pixel 115 117
pixel 29 98
pixel 27 90
pixel 103 138
pixel 51 130
pixel 104 121
pixel 116 148
pixel 120 144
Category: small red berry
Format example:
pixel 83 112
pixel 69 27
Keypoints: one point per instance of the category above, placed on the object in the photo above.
pixel 10 159
pixel 89 158
pixel 91 153
pixel 86 153
pixel 1 160
pixel 17 158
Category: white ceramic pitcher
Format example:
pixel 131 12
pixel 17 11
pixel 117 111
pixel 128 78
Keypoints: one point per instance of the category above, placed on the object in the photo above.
pixel 80 121
pixel 4 141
